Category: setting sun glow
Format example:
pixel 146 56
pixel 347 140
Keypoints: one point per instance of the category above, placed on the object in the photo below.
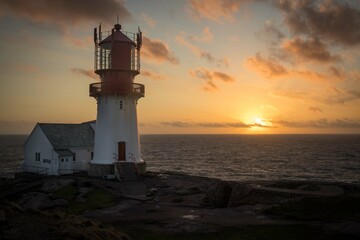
pixel 208 66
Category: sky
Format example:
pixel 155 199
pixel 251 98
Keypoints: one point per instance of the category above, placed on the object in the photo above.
pixel 208 66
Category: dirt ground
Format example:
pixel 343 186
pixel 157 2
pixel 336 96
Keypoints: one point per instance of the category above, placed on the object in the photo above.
pixel 176 206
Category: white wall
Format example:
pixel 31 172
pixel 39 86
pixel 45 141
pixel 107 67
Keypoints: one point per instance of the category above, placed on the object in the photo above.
pixel 114 125
pixel 82 158
pixel 38 142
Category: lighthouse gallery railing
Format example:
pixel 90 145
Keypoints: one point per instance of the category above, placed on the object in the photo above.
pixel 101 88
pixel 102 55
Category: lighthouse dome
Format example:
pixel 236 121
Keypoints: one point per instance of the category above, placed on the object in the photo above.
pixel 116 36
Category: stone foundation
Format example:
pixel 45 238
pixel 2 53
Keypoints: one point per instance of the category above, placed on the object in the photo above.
pixel 100 170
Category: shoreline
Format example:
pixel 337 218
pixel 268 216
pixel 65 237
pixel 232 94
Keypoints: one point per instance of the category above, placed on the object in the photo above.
pixel 170 204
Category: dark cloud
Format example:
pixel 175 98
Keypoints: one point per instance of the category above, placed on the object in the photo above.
pixel 337 21
pixel 157 51
pixel 67 12
pixel 180 124
pixel 211 77
pixel 87 73
pixel 270 33
pixel 309 49
pixel 320 123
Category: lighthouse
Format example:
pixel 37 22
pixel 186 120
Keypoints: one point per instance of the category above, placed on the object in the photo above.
pixel 117 62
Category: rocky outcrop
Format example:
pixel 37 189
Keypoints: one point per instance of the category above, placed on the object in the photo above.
pixel 219 195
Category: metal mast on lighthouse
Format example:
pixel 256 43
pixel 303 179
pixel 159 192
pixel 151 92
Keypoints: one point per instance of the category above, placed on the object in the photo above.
pixel 117 62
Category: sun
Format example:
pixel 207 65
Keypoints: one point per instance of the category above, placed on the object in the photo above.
pixel 259 121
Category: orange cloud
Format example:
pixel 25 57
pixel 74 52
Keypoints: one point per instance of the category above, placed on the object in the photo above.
pixel 267 68
pixel 210 77
pixel 214 10
pixel 181 124
pixel 148 20
pixel 309 49
pixel 206 36
pixel 157 51
pixel 315 109
pixel 87 73
pixel 319 123
pixel 200 52
pixel 152 75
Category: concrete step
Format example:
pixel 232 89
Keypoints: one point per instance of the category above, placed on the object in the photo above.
pixel 127 171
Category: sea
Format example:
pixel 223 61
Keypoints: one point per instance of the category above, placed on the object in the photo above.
pixel 327 158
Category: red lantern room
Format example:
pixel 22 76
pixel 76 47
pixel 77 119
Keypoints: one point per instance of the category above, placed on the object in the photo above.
pixel 117 62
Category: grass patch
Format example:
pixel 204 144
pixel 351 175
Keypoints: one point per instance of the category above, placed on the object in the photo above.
pixel 95 199
pixel 293 232
pixel 317 208
pixel 68 192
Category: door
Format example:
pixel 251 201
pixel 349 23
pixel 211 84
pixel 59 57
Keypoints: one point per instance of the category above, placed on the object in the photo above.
pixel 121 151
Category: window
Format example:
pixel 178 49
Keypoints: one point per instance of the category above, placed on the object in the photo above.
pixel 74 157
pixel 121 105
pixel 92 155
pixel 37 156
pixel 62 160
pixel 46 161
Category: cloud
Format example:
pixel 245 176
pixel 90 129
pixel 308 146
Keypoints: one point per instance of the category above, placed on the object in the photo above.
pixel 82 42
pixel 315 109
pixel 215 10
pixel 310 49
pixel 181 124
pixel 148 20
pixel 270 68
pixel 211 77
pixel 270 33
pixel 320 123
pixel 152 75
pixel 157 51
pixel 87 73
pixel 337 21
pixel 27 68
pixel 66 13
pixel 200 52
pixel 206 36
pixel 267 68
pixel 329 96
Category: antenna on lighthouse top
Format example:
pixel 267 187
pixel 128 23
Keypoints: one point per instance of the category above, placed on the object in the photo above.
pixel 117 19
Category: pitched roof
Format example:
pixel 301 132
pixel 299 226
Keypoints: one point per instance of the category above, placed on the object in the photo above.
pixel 64 136
pixel 64 152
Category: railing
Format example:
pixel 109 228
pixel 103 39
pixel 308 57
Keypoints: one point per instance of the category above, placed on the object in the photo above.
pixel 102 55
pixel 35 169
pixel 102 88
pixel 132 157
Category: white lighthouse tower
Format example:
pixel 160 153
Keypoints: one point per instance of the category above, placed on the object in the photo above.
pixel 117 62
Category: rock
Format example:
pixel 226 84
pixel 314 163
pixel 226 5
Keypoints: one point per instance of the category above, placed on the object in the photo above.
pixel 239 191
pixel 219 196
pixel 177 200
pixel 38 201
pixel 61 202
pixel 51 187
pixel 2 216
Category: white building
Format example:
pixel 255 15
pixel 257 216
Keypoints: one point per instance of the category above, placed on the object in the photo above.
pixel 58 149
